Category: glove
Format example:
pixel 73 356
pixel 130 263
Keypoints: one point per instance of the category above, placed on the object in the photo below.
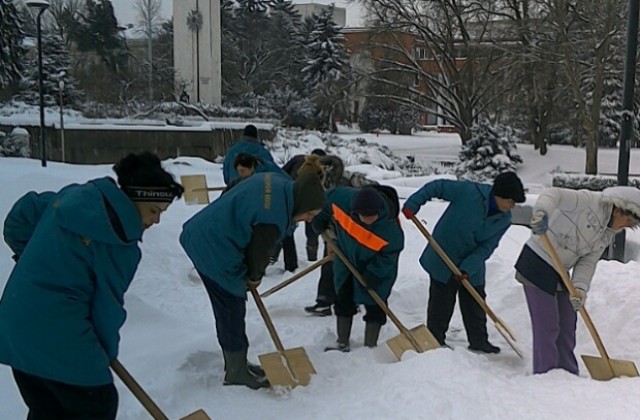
pixel 253 283
pixel 578 300
pixel 461 277
pixel 330 231
pixel 539 223
pixel 408 213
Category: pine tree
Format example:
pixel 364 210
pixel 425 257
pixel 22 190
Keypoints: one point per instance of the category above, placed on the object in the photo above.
pixel 56 67
pixel 489 152
pixel 11 50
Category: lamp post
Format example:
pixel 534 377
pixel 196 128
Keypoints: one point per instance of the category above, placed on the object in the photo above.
pixel 40 6
pixel 61 90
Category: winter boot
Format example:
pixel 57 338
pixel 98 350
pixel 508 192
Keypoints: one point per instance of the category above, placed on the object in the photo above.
pixel 344 333
pixel 485 347
pixel 319 309
pixel 312 253
pixel 255 370
pixel 238 371
pixel 371 333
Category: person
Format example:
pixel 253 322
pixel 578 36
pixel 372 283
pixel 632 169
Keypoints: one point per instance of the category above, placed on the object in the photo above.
pixel 249 144
pixel 368 232
pixel 245 166
pixel 580 225
pixel 477 216
pixel 229 243
pixel 62 306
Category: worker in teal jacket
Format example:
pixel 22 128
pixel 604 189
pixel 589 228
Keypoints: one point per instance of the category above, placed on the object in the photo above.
pixel 229 243
pixel 62 307
pixel 251 145
pixel 367 231
pixel 477 216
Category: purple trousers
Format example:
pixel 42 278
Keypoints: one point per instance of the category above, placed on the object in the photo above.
pixel 553 322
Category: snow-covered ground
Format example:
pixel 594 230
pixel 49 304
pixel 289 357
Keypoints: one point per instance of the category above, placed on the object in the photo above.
pixel 169 344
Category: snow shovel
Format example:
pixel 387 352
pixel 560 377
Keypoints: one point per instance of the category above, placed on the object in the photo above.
pixel 500 326
pixel 196 190
pixel 418 338
pixel 600 368
pixel 296 277
pixel 285 367
pixel 144 398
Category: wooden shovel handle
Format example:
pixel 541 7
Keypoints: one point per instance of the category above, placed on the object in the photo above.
pixel 267 320
pixel 456 271
pixel 372 292
pixel 572 292
pixel 137 390
pixel 296 277
pixel 209 189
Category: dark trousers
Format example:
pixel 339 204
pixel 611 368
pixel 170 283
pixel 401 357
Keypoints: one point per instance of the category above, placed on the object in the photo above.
pixel 311 234
pixel 326 288
pixel 52 400
pixel 345 305
pixel 442 300
pixel 229 312
pixel 290 254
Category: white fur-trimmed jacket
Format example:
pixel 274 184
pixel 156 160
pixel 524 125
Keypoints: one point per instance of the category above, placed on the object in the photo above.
pixel 578 226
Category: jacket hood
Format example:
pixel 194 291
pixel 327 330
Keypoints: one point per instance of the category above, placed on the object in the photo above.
pixel 625 198
pixel 100 211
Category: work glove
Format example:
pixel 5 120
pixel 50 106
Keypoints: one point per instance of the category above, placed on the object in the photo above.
pixel 539 223
pixel 460 278
pixel 408 213
pixel 577 301
pixel 253 283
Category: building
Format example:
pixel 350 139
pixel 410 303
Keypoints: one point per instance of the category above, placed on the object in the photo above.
pixel 308 9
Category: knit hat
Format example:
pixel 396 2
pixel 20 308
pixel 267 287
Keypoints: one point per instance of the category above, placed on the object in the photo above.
pixel 251 131
pixel 623 197
pixel 508 185
pixel 142 178
pixel 367 202
pixel 308 193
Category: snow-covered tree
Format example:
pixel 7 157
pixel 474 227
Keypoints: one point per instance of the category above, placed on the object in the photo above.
pixel 11 50
pixel 489 152
pixel 56 66
pixel 149 24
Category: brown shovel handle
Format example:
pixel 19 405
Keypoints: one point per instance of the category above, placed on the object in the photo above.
pixel 137 390
pixel 267 320
pixel 372 292
pixel 209 189
pixel 572 292
pixel 456 271
pixel 296 277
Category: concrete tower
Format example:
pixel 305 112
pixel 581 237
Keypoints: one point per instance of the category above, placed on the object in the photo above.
pixel 196 49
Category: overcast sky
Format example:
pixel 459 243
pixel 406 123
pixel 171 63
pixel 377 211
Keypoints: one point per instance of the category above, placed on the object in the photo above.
pixel 126 13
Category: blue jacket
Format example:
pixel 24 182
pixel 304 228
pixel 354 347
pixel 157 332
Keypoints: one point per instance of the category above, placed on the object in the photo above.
pixel 252 147
pixel 23 218
pixel 62 307
pixel 373 249
pixel 217 237
pixel 465 231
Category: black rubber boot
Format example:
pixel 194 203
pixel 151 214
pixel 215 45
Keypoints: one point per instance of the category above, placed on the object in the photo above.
pixel 344 333
pixel 371 334
pixel 238 371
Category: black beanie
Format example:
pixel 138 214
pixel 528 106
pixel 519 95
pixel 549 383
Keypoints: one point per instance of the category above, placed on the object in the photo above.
pixel 308 193
pixel 367 202
pixel 251 131
pixel 508 185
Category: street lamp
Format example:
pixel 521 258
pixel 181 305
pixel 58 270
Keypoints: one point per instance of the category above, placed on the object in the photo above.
pixel 61 90
pixel 40 6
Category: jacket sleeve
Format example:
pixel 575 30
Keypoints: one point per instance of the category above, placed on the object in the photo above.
pixel 444 189
pixel 23 218
pixel 323 219
pixel 382 268
pixel 474 261
pixel 562 199
pixel 584 269
pixel 263 240
pixel 113 274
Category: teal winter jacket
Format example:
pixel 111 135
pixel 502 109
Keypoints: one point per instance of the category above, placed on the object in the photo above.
pixel 62 307
pixel 251 147
pixel 373 249
pixel 217 238
pixel 23 218
pixel 465 231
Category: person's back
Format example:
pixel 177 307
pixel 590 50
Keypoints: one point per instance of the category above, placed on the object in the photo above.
pixel 251 145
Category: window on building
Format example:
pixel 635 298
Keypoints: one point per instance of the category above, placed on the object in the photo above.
pixel 421 53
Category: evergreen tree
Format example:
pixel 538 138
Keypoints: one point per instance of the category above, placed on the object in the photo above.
pixel 11 50
pixel 97 30
pixel 489 152
pixel 56 67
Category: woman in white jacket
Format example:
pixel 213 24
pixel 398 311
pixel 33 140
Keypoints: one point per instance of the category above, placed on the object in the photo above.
pixel 580 224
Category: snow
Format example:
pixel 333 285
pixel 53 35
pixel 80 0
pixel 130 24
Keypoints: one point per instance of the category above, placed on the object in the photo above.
pixel 169 344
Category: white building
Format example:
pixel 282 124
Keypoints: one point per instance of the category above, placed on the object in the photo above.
pixel 307 9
